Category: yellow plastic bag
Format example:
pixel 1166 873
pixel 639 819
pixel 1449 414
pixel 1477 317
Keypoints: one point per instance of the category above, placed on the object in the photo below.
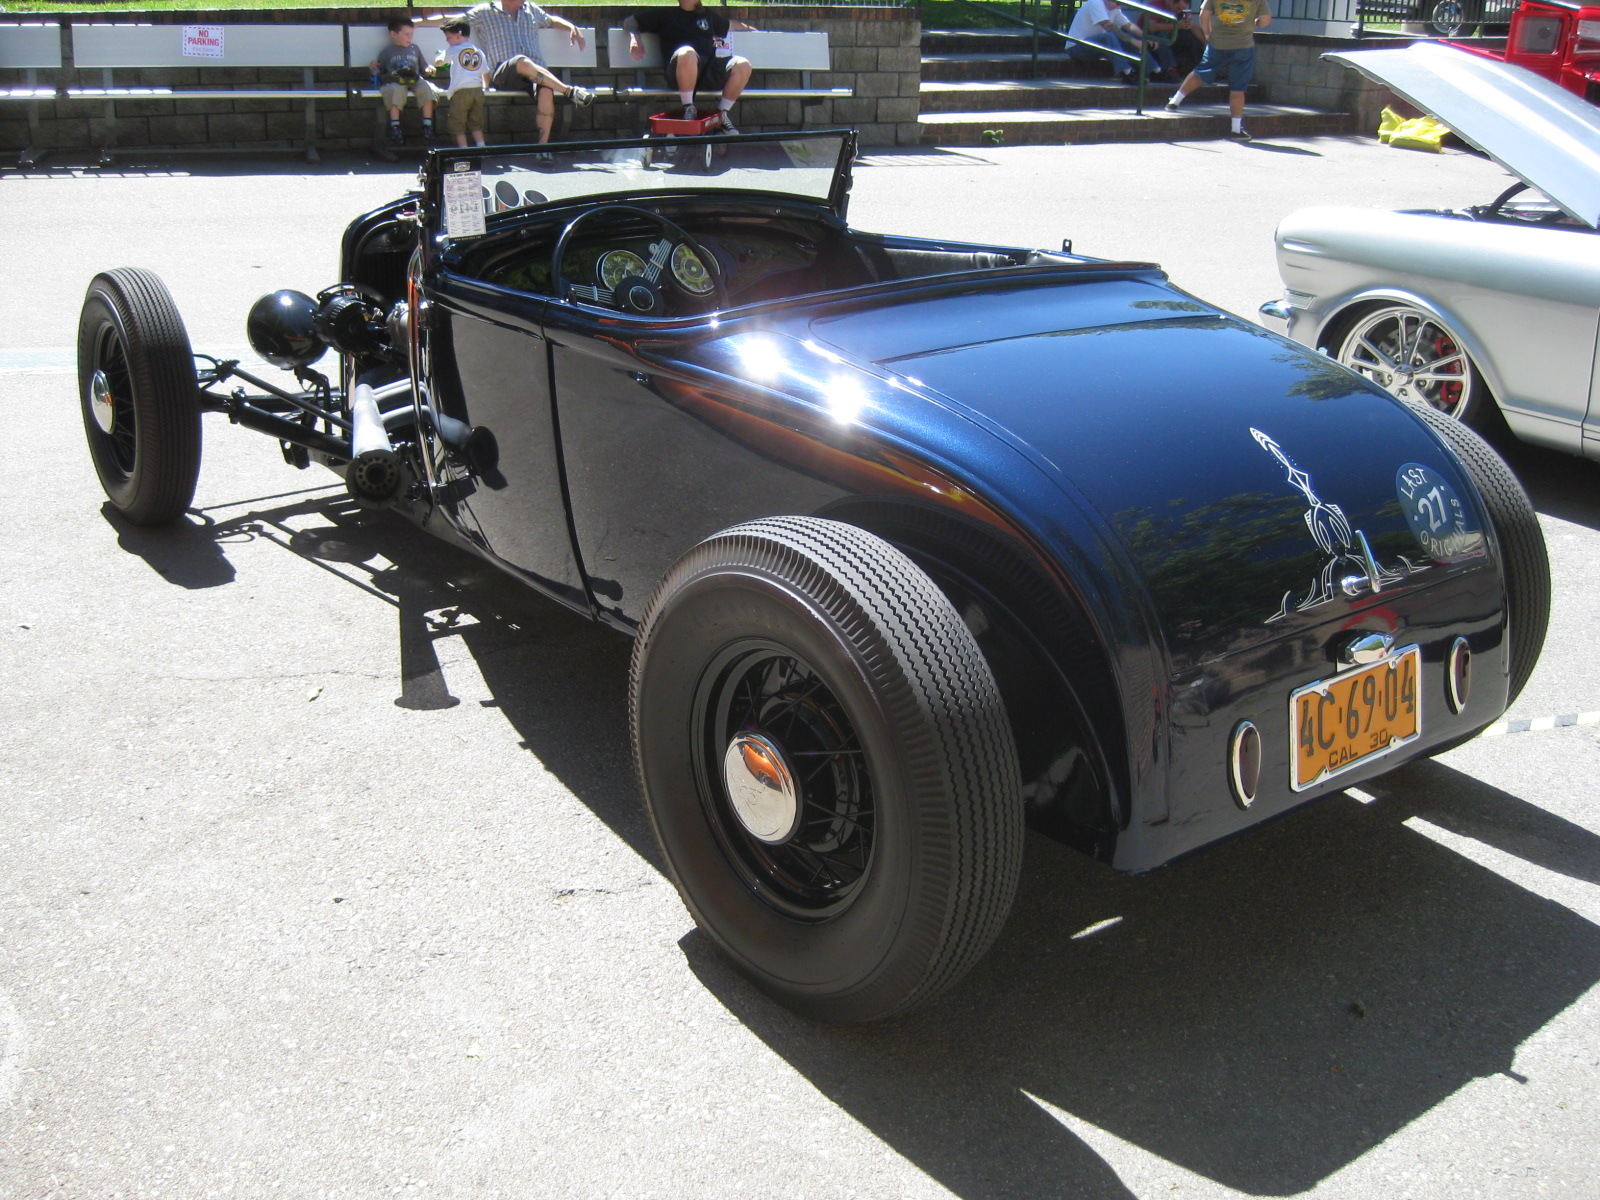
pixel 1388 122
pixel 1420 133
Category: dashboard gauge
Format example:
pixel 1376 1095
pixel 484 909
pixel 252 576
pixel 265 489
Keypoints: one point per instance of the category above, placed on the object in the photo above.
pixel 689 271
pixel 617 265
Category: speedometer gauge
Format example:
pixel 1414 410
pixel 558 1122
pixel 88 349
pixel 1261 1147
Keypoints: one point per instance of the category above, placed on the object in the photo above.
pixel 689 271
pixel 617 265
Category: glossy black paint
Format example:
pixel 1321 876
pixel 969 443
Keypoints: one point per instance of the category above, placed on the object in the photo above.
pixel 1074 451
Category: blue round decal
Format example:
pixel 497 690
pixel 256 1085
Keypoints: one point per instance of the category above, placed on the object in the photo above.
pixel 1440 521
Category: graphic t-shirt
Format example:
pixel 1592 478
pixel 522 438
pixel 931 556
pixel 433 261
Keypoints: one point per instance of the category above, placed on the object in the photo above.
pixel 697 28
pixel 467 64
pixel 399 64
pixel 1233 22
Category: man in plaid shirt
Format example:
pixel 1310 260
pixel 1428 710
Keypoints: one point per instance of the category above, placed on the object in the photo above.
pixel 507 31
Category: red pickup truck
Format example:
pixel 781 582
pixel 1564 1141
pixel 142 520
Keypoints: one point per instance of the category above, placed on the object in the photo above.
pixel 1558 39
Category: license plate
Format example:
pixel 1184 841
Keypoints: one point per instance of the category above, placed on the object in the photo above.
pixel 1339 723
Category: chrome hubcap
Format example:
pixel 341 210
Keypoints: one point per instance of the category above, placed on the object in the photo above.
pixel 761 788
pixel 101 403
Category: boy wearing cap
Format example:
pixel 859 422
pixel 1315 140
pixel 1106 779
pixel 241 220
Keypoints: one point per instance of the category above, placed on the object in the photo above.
pixel 469 75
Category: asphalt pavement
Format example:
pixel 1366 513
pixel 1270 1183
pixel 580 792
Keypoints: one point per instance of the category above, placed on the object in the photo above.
pixel 323 872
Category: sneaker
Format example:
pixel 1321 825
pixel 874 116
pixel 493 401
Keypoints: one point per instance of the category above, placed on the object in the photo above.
pixel 690 113
pixel 427 131
pixel 728 126
pixel 1172 106
pixel 582 96
pixel 1239 135
pixel 395 136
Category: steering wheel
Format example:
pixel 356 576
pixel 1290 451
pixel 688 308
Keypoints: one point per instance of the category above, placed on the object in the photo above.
pixel 641 293
pixel 1496 208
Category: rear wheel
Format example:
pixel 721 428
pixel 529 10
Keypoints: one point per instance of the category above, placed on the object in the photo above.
pixel 1525 562
pixel 1411 354
pixel 827 763
pixel 137 389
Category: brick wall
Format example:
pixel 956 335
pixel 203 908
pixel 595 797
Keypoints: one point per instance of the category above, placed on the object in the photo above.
pixel 874 51
pixel 1294 71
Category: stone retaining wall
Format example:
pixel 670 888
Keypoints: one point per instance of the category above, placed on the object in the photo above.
pixel 874 51
pixel 1293 69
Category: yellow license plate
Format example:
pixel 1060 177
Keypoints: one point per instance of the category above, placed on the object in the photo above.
pixel 1336 724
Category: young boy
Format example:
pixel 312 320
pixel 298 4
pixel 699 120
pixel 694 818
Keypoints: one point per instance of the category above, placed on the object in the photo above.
pixel 469 75
pixel 402 72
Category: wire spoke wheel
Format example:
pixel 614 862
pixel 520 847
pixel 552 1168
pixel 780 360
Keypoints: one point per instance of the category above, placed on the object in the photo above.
pixel 828 765
pixel 1409 353
pixel 809 859
pixel 137 390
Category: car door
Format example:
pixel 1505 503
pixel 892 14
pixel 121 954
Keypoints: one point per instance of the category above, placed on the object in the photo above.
pixel 491 370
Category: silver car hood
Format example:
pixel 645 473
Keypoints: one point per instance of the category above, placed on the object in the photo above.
pixel 1542 133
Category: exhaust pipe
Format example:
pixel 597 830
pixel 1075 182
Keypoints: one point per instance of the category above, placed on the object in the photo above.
pixel 375 475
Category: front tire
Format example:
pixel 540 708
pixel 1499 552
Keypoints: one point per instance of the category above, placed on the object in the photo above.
pixel 1409 353
pixel 137 390
pixel 827 763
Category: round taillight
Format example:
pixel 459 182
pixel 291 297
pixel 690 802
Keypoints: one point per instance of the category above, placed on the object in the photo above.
pixel 1244 763
pixel 1458 674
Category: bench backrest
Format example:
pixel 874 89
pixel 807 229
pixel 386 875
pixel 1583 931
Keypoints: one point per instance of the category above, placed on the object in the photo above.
pixel 555 45
pixel 208 45
pixel 776 51
pixel 33 45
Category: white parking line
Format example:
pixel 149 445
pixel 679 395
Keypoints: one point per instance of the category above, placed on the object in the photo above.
pixel 1531 724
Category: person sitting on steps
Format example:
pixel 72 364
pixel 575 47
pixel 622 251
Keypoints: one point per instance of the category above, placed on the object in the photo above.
pixel 508 33
pixel 694 43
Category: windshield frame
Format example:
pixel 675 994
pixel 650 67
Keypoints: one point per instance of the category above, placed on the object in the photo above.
pixel 442 162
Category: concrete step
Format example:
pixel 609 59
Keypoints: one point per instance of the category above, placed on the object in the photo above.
pixel 990 95
pixel 1006 66
pixel 985 41
pixel 1193 122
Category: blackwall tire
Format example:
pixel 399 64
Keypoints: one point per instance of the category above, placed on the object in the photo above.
pixel 1522 549
pixel 809 667
pixel 137 392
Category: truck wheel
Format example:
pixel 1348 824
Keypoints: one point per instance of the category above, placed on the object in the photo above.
pixel 1516 526
pixel 827 763
pixel 136 385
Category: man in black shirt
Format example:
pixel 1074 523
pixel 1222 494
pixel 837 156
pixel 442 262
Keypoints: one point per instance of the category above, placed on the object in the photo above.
pixel 694 43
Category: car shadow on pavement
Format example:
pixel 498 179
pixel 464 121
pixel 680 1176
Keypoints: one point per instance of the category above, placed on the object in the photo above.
pixel 1260 1015
pixel 1560 485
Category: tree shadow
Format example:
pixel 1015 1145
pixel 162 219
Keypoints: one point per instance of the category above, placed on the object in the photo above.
pixel 1261 1015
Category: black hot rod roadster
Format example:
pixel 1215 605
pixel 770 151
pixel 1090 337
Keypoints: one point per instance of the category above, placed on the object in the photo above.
pixel 919 542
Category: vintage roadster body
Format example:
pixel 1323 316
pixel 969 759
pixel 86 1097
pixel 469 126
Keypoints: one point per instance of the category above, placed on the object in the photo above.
pixel 919 542
pixel 1490 306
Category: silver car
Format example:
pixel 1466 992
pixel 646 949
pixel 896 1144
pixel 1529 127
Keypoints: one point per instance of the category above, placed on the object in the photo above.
pixel 1494 305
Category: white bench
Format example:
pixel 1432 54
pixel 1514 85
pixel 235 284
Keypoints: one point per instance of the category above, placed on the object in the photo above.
pixel 122 47
pixel 555 48
pixel 804 52
pixel 30 48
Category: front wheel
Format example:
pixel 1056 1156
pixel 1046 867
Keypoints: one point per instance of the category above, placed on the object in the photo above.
pixel 1410 353
pixel 827 762
pixel 136 386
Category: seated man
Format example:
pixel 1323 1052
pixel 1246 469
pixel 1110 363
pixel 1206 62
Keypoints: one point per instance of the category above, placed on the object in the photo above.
pixel 1106 26
pixel 694 44
pixel 508 33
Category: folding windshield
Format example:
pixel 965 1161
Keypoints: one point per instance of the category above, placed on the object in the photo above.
pixel 469 191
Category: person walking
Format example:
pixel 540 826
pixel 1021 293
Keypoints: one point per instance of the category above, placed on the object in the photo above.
pixel 1229 28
